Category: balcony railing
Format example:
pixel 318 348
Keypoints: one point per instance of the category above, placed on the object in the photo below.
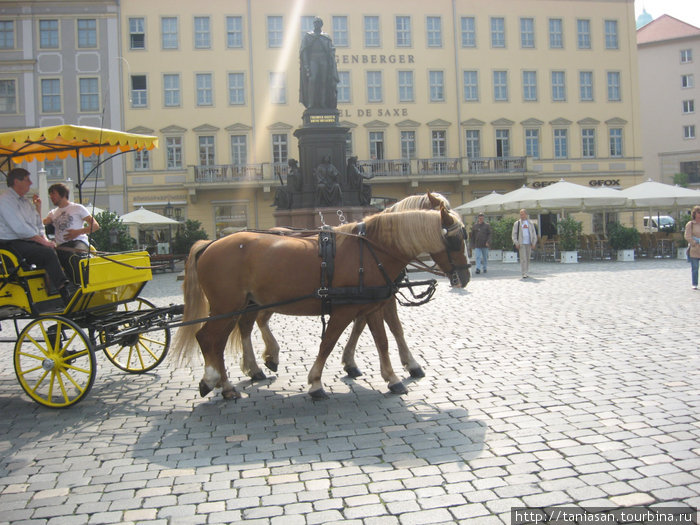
pixel 439 166
pixel 497 164
pixel 228 173
pixel 386 167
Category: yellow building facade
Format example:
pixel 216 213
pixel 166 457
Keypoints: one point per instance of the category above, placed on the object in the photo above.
pixel 456 96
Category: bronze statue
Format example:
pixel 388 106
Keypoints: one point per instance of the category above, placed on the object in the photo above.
pixel 328 192
pixel 284 196
pixel 356 181
pixel 319 73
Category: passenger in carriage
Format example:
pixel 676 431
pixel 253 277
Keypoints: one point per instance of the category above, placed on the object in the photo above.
pixel 22 231
pixel 68 218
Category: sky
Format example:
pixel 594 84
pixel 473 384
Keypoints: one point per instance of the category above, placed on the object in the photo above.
pixel 685 10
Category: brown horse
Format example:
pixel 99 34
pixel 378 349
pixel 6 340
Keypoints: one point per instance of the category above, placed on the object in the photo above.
pixel 427 201
pixel 229 275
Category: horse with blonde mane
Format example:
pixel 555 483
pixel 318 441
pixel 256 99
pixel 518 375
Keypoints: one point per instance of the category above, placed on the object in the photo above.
pixel 231 278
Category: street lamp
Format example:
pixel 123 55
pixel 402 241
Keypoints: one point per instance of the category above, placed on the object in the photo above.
pixel 169 210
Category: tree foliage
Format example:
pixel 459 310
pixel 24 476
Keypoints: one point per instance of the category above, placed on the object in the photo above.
pixel 187 236
pixel 102 238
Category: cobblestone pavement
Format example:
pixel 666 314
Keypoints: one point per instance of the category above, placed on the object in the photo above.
pixel 577 386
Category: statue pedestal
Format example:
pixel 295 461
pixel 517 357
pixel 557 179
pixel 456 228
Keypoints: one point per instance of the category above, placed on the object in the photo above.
pixel 309 218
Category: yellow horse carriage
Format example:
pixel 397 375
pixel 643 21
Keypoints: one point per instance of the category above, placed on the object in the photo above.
pixel 55 344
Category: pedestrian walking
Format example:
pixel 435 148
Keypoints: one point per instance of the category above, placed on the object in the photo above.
pixel 692 235
pixel 524 237
pixel 481 240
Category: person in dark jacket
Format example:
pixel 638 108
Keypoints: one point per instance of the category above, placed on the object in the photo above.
pixel 481 240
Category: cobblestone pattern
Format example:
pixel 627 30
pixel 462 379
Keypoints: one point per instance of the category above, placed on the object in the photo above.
pixel 577 386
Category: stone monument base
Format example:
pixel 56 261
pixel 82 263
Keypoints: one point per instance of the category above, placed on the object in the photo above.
pixel 310 218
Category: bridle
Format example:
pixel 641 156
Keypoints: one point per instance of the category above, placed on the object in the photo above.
pixel 453 237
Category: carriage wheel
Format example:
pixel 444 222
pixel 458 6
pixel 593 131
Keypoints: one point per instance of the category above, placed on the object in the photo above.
pixel 141 352
pixel 54 362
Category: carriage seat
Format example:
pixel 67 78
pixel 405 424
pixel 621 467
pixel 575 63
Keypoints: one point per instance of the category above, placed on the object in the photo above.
pixel 10 262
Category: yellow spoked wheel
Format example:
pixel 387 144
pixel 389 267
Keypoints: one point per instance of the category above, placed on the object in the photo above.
pixel 137 353
pixel 54 362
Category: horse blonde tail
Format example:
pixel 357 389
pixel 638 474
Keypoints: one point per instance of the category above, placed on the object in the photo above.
pixel 196 307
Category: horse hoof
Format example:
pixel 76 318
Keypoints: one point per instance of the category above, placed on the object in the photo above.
pixel 258 376
pixel 318 394
pixel 204 389
pixel 231 394
pixel 353 371
pixel 398 388
pixel 271 365
pixel 416 373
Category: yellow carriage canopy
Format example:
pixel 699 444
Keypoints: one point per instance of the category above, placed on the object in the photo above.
pixel 49 143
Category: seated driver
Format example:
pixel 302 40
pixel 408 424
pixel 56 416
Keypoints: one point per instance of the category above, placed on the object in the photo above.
pixel 22 231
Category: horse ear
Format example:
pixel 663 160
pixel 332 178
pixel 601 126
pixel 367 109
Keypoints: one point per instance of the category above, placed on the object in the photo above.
pixel 447 219
pixel 434 201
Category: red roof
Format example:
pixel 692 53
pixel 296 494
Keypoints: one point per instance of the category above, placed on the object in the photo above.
pixel 665 28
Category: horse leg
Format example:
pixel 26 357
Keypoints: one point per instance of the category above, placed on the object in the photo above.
pixel 212 341
pixel 338 321
pixel 391 317
pixel 249 365
pixel 348 360
pixel 375 321
pixel 271 355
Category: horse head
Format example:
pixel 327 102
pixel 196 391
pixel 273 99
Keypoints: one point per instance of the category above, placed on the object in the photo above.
pixel 454 260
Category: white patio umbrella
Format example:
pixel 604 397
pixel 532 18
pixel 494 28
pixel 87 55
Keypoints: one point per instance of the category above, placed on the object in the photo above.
pixel 510 201
pixel 478 205
pixel 146 219
pixel 565 195
pixel 652 194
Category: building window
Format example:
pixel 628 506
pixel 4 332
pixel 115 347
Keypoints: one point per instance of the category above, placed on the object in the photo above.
pixel 689 132
pixel 344 86
pixel 686 56
pixel 561 144
pixel 90 164
pixel 372 37
pixel 50 95
pixel 374 86
pixel 613 86
pixel 8 97
pixel 498 32
pixel 234 31
pixel 239 150
pixel 473 143
pixel 692 169
pixel 376 145
pixel 202 32
pixel 503 143
pixel 274 31
pixel 439 139
pixel 583 31
pixel 278 88
pixel 585 80
pixel 408 144
pixel 279 148
pixel 168 32
pixel 558 86
pixel 54 169
pixel 48 34
pixel 87 33
pixel 230 218
pixel 142 160
pixel 236 89
pixel 689 106
pixel 173 153
pixel 139 92
pixel 437 86
pixel 434 29
pixel 532 142
pixel 403 31
pixel 306 25
pixel 205 93
pixel 89 94
pixel 529 86
pixel 687 81
pixel 616 142
pixel 611 34
pixel 137 33
pixel 471 86
pixel 340 31
pixel 406 86
pixel 556 33
pixel 500 86
pixel 468 24
pixel 588 143
pixel 206 150
pixel 7 34
pixel 171 90
pixel 348 144
pixel 527 33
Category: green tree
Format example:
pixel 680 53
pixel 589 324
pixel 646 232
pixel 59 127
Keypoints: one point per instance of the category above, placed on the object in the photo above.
pixel 681 179
pixel 187 236
pixel 113 235
pixel 501 233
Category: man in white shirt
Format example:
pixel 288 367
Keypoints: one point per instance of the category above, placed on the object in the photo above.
pixel 71 234
pixel 22 231
pixel 524 237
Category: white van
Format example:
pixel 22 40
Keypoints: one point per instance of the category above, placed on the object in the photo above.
pixel 666 221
